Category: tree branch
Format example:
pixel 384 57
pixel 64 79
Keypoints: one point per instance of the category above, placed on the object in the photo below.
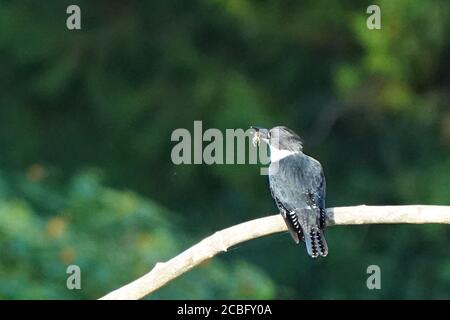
pixel 220 241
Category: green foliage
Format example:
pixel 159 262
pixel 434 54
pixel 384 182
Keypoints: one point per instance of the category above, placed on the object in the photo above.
pixel 87 114
pixel 113 236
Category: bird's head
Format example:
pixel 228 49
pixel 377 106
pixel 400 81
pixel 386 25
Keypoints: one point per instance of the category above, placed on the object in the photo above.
pixel 279 138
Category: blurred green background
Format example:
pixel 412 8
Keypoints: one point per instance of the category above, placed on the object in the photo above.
pixel 86 118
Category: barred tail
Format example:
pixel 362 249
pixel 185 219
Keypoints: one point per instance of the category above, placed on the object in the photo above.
pixel 316 245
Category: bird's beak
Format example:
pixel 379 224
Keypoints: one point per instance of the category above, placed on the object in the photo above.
pixel 260 134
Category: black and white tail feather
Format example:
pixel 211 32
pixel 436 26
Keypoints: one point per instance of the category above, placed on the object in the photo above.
pixel 312 235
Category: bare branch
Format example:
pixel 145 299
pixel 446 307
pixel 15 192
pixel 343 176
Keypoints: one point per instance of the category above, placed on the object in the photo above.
pixel 220 241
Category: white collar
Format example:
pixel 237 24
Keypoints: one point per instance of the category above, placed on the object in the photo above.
pixel 277 155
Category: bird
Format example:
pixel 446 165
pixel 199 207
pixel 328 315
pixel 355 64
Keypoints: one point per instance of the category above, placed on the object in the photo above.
pixel 297 185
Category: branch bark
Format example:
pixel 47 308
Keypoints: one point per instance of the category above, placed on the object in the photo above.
pixel 164 272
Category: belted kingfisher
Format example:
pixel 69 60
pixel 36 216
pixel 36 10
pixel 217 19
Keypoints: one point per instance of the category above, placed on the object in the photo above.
pixel 297 184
